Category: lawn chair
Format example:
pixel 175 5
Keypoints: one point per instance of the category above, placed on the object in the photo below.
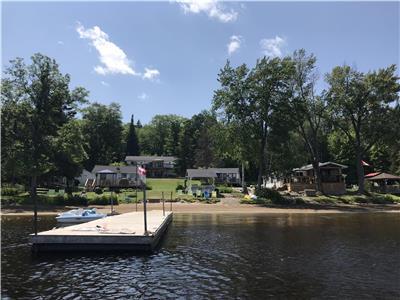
pixel 198 193
pixel 61 192
pixel 179 192
pixel 213 194
pixel 51 193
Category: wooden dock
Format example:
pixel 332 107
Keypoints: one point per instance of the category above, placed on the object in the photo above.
pixel 120 232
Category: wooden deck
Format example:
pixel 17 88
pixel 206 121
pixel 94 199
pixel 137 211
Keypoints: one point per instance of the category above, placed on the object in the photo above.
pixel 120 232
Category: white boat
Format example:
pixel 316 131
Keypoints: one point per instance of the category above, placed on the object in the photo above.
pixel 79 216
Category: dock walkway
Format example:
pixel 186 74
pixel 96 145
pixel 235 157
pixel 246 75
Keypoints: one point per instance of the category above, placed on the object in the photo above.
pixel 120 232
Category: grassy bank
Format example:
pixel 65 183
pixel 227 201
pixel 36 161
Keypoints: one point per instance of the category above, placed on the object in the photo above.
pixel 156 189
pixel 349 198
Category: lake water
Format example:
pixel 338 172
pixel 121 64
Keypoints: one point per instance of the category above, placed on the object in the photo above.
pixel 219 256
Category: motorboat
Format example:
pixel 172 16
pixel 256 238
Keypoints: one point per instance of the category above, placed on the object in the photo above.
pixel 79 216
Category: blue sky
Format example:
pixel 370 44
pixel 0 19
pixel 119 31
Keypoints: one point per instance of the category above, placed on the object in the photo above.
pixel 164 57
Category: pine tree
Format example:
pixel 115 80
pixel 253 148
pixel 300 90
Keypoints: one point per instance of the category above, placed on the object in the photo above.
pixel 139 124
pixel 132 144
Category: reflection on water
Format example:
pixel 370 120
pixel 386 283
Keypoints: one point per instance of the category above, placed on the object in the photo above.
pixel 221 256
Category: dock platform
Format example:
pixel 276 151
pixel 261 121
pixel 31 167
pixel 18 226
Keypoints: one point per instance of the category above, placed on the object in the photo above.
pixel 120 232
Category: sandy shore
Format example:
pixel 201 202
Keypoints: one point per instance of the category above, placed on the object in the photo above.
pixel 217 208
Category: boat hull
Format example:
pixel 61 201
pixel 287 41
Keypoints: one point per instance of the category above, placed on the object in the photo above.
pixel 77 219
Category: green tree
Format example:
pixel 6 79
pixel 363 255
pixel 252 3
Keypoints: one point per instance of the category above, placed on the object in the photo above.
pixel 252 98
pixel 360 108
pixel 132 143
pixel 102 128
pixel 44 102
pixel 69 154
pixel 307 110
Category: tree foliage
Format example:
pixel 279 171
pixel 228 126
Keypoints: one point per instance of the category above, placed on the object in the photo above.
pixel 360 106
pixel 132 143
pixel 102 128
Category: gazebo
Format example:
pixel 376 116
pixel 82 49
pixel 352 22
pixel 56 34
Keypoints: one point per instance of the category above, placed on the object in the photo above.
pixel 384 182
pixel 203 174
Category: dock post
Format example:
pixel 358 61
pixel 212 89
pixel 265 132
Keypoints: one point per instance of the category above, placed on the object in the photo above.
pixel 171 201
pixel 145 210
pixel 112 202
pixel 163 205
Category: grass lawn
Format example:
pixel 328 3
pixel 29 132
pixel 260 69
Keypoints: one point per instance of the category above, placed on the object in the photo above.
pixel 158 186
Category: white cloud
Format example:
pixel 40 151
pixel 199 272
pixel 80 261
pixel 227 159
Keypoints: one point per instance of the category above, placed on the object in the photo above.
pixel 143 96
pixel 273 47
pixel 213 8
pixel 104 83
pixel 234 44
pixel 60 42
pixel 150 74
pixel 112 58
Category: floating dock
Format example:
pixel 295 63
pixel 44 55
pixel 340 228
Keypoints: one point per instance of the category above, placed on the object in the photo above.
pixel 120 232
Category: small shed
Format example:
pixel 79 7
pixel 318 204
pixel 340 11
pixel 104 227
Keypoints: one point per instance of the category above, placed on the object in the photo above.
pixel 384 182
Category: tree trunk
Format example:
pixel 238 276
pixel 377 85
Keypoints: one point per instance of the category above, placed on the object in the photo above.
pixel 262 158
pixel 34 200
pixel 317 175
pixel 69 189
pixel 360 173
pixel 244 188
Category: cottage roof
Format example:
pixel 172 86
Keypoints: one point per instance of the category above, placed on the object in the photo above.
pixel 150 158
pixel 113 169
pixel 201 173
pixel 321 165
pixel 225 170
pixel 383 176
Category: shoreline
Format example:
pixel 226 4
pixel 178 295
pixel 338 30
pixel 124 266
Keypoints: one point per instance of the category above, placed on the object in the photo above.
pixel 201 208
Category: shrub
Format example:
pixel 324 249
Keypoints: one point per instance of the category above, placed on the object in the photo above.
pixel 10 191
pixel 383 199
pixel 76 200
pixel 179 187
pixel 224 189
pixel 148 187
pixel 130 195
pixel 98 190
pixel 269 194
pixel 276 198
pixel 103 200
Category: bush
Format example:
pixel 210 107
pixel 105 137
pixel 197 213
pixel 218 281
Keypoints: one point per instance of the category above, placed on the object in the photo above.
pixel 98 190
pixel 76 200
pixel 148 187
pixel 383 199
pixel 10 191
pixel 224 189
pixel 103 200
pixel 275 197
pixel 269 194
pixel 179 187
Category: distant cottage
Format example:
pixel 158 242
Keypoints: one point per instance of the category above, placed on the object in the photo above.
pixel 113 177
pixel 219 175
pixel 332 179
pixel 156 166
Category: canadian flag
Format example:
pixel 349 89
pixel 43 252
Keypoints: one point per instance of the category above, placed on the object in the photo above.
pixel 364 163
pixel 142 171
